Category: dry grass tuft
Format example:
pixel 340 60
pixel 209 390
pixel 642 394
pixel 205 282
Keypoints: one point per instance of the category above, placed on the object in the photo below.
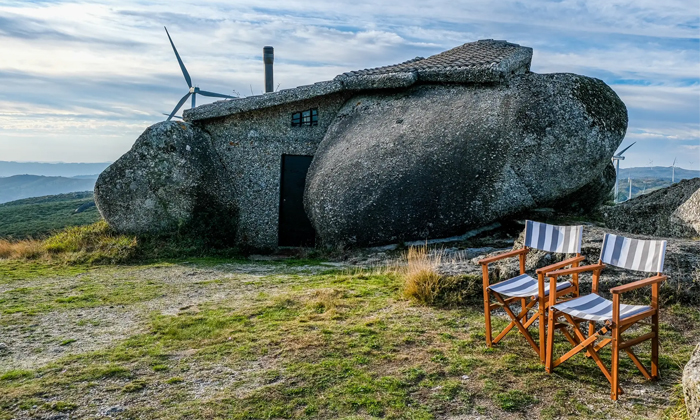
pixel 325 300
pixel 26 249
pixel 421 278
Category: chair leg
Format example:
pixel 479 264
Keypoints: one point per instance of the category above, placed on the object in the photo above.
pixel 548 364
pixel 615 368
pixel 543 339
pixel 487 309
pixel 655 347
pixel 487 316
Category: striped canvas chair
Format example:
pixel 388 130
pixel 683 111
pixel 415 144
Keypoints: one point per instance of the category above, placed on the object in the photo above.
pixel 615 317
pixel 528 290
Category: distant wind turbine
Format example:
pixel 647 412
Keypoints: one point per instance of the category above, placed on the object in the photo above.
pixel 673 173
pixel 616 159
pixel 194 90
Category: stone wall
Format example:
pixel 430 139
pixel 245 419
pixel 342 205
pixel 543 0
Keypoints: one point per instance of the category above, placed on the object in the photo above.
pixel 251 145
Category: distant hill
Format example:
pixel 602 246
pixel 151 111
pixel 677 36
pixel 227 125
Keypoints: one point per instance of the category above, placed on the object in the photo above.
pixel 51 169
pixel 40 216
pixel 24 186
pixel 658 172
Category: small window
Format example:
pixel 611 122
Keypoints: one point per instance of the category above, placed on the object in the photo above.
pixel 306 118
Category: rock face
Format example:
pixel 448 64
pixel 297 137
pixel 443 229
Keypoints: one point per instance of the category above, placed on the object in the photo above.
pixel 691 385
pixel 170 180
pixel 672 211
pixel 435 160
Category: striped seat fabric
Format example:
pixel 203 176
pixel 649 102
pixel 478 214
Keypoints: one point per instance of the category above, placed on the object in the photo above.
pixel 595 308
pixel 550 238
pixel 633 254
pixel 523 286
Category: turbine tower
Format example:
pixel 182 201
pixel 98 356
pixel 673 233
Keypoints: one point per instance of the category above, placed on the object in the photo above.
pixel 616 160
pixel 673 171
pixel 194 90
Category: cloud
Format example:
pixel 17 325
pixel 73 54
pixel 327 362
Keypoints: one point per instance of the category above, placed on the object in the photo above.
pixel 105 70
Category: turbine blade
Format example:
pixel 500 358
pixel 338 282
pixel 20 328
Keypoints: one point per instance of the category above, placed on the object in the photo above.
pixel 214 95
pixel 179 60
pixel 625 149
pixel 174 116
pixel 178 106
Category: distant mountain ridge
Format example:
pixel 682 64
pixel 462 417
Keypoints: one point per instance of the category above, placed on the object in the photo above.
pixel 658 172
pixel 24 186
pixel 51 169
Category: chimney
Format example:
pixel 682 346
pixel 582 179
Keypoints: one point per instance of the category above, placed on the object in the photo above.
pixel 268 59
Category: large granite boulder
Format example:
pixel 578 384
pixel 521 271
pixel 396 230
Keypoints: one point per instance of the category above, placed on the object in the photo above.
pixel 435 160
pixel 691 385
pixel 170 180
pixel 672 211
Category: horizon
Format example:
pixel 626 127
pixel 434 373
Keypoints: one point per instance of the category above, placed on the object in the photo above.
pixel 111 162
pixel 82 82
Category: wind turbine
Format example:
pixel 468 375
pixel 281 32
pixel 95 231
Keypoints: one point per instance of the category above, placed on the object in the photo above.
pixel 194 90
pixel 673 173
pixel 616 160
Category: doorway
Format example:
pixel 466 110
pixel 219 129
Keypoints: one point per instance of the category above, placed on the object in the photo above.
pixel 294 226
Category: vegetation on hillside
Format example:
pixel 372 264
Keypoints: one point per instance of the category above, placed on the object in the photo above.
pixel 38 217
pixel 18 187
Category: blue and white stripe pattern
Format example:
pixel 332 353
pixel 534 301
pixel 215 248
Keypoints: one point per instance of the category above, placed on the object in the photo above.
pixel 550 238
pixel 523 286
pixel 595 308
pixel 633 254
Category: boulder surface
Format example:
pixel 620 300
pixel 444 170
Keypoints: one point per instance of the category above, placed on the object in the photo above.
pixel 691 385
pixel 435 160
pixel 170 180
pixel 673 211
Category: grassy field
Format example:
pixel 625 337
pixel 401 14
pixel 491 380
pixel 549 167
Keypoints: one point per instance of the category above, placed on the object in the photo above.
pixel 222 338
pixel 40 216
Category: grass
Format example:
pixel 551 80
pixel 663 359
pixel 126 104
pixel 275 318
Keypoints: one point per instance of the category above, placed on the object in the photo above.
pixel 97 243
pixel 324 345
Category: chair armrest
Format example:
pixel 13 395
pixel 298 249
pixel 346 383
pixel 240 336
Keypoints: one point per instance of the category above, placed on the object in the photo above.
pixel 505 255
pixel 573 270
pixel 637 284
pixel 556 266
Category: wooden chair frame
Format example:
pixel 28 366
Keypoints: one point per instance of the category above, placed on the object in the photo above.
pixel 615 327
pixel 526 306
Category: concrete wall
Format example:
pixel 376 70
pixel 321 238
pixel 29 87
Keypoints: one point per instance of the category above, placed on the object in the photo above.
pixel 251 146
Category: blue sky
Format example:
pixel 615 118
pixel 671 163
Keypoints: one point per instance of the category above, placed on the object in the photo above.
pixel 81 80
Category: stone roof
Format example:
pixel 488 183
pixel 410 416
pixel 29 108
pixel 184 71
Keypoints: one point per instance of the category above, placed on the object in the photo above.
pixel 483 61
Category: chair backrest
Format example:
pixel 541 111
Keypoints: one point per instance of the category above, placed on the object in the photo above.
pixel 633 254
pixel 550 238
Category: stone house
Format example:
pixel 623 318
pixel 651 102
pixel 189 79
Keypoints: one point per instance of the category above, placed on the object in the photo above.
pixel 267 142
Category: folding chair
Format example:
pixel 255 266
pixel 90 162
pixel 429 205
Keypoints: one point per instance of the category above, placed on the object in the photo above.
pixel 616 318
pixel 525 289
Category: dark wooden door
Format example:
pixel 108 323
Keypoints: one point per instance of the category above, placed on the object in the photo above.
pixel 295 228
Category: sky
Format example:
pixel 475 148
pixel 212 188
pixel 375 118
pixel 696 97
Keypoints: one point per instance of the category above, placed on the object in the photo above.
pixel 82 80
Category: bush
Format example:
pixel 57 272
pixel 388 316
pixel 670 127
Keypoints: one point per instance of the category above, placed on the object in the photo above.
pixel 421 279
pixel 423 283
pixel 92 243
pixel 100 244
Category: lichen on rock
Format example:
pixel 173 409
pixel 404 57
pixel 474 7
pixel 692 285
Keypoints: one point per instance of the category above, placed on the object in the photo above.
pixel 170 180
pixel 435 160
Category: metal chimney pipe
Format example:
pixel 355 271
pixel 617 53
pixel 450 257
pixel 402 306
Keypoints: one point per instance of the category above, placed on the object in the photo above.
pixel 268 59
